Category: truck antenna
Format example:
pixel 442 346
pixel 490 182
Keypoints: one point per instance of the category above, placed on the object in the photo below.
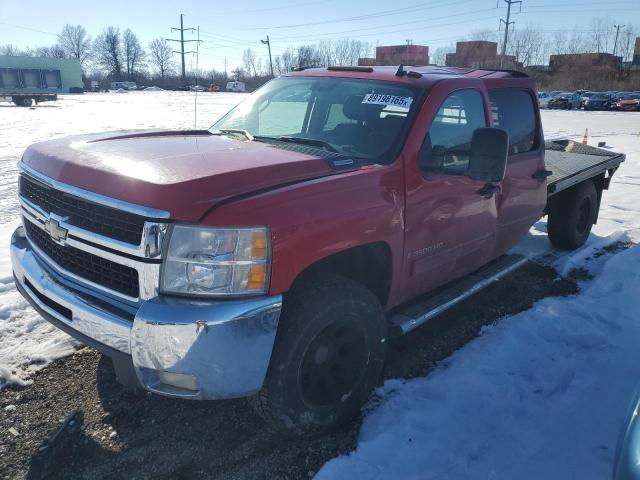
pixel 195 102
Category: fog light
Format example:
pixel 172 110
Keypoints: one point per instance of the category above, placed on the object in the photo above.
pixel 179 380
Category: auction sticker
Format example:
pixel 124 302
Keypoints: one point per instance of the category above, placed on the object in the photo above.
pixel 380 99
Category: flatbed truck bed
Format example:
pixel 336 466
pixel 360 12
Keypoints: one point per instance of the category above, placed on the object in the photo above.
pixel 571 162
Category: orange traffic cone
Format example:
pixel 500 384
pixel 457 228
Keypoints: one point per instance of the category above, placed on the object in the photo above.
pixel 586 134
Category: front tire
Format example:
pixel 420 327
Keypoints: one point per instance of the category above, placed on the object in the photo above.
pixel 571 216
pixel 328 357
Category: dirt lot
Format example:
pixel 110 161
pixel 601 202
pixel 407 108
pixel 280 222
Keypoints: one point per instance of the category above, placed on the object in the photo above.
pixel 75 421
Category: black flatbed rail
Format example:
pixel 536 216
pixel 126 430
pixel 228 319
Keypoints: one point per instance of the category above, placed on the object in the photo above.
pixel 571 163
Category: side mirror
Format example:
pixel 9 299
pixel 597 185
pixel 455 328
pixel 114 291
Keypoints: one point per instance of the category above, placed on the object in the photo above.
pixel 489 150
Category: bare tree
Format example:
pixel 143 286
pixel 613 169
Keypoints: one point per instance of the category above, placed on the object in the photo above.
pixel 600 31
pixel 108 51
pixel 626 43
pixel 75 43
pixel 10 50
pixel 161 56
pixel 577 42
pixel 559 42
pixel 309 56
pixel 249 59
pixel 525 44
pixel 134 54
pixel 236 73
pixel 54 51
pixel 439 55
pixel 484 34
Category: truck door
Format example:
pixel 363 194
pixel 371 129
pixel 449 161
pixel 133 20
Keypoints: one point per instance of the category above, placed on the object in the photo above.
pixel 450 224
pixel 524 192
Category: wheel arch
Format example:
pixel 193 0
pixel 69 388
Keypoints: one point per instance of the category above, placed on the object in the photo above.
pixel 369 264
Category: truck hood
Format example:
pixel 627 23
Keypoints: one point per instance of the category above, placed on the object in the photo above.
pixel 182 172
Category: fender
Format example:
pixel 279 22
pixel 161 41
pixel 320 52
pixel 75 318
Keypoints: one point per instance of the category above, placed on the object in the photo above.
pixel 313 220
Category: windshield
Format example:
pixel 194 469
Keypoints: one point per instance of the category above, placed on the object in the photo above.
pixel 360 118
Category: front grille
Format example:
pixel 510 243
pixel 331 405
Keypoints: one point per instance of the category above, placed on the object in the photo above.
pixel 96 269
pixel 107 221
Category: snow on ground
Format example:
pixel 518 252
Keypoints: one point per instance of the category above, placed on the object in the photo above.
pixel 27 342
pixel 542 394
pixel 539 395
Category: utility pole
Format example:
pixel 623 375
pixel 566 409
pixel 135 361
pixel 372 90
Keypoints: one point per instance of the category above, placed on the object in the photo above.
pixel 182 41
pixel 507 22
pixel 267 42
pixel 615 43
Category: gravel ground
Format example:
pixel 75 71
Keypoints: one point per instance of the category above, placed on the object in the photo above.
pixel 75 421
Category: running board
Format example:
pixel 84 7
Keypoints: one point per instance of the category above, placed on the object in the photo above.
pixel 416 314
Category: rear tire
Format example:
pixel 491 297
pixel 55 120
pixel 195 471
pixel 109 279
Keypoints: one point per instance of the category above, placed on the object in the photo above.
pixel 571 216
pixel 328 357
pixel 23 101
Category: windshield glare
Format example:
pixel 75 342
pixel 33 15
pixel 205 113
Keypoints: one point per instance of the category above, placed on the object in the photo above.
pixel 359 118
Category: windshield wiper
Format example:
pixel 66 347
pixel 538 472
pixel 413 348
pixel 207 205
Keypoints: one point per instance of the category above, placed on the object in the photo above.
pixel 302 140
pixel 241 131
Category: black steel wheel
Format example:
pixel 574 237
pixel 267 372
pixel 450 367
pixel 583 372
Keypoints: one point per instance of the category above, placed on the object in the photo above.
pixel 571 216
pixel 328 357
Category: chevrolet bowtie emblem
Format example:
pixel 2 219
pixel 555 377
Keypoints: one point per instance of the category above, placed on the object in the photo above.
pixel 57 233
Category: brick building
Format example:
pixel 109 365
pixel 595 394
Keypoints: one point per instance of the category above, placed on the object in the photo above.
pixel 414 55
pixel 585 62
pixel 636 53
pixel 479 54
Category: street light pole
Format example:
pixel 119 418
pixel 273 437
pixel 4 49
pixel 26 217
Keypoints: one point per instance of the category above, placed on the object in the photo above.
pixel 267 42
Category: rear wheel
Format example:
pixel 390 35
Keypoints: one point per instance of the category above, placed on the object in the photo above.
pixel 328 357
pixel 23 101
pixel 571 216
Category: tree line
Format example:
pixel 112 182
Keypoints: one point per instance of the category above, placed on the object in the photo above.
pixel 115 55
pixel 112 54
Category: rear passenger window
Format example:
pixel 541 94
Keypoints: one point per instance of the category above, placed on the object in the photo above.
pixel 513 111
pixel 448 142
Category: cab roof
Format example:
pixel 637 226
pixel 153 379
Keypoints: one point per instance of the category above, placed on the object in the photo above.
pixel 424 76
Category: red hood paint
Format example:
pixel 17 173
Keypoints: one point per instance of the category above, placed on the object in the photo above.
pixel 182 172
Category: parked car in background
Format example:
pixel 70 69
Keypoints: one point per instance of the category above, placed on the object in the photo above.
pixel 599 101
pixel 123 85
pixel 565 101
pixel 235 87
pixel 629 103
pixel 543 99
pixel 584 96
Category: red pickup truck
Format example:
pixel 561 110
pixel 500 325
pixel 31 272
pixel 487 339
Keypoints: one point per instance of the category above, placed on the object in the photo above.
pixel 272 255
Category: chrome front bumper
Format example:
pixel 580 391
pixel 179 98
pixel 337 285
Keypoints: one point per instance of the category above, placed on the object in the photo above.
pixel 178 347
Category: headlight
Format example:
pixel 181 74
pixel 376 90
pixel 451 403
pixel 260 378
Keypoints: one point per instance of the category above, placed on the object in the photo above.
pixel 217 261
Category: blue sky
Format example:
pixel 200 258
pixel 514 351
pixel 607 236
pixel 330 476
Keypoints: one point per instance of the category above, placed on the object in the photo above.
pixel 232 27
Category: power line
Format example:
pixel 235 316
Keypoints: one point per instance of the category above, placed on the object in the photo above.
pixel 507 22
pixel 182 41
pixel 383 13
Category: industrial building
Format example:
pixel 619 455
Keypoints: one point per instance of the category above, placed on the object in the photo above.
pixel 415 55
pixel 479 54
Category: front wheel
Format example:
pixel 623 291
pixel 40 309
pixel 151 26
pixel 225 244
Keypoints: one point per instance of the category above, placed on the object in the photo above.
pixel 571 216
pixel 328 357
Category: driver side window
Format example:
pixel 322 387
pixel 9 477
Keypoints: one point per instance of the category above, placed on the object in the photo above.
pixel 446 148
